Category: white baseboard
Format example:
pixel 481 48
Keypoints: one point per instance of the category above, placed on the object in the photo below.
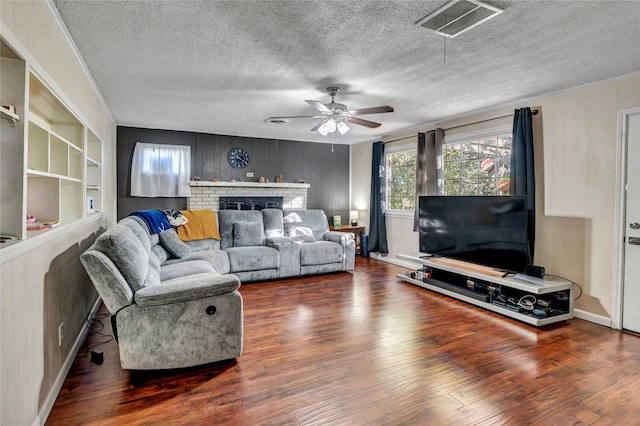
pixel 588 316
pixel 62 375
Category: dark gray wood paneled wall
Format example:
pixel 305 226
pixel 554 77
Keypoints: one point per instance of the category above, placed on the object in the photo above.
pixel 327 172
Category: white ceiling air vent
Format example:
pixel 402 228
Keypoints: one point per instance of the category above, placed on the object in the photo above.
pixel 458 16
pixel 276 121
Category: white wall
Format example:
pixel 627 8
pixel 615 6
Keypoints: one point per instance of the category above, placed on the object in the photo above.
pixel 47 285
pixel 576 138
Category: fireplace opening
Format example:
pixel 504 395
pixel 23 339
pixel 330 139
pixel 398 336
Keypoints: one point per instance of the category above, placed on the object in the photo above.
pixel 250 203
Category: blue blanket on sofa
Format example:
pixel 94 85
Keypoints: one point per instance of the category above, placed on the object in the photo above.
pixel 156 220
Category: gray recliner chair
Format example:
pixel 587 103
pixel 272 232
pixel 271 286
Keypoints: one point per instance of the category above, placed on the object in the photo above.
pixel 170 316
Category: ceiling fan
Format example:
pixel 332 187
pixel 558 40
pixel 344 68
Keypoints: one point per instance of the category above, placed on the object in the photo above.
pixel 336 116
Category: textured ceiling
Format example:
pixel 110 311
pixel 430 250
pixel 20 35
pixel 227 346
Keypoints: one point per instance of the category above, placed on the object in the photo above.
pixel 225 66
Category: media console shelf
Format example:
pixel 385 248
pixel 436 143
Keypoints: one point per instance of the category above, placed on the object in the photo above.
pixel 534 301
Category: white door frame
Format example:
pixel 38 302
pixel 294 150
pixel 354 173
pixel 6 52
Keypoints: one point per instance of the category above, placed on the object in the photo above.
pixel 619 224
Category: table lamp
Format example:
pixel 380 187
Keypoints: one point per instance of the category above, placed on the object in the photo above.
pixel 353 216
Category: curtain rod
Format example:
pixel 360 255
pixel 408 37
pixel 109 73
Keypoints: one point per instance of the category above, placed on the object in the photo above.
pixel 534 112
pixel 400 139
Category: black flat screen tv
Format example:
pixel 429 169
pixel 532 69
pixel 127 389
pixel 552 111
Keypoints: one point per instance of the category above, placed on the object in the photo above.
pixel 487 230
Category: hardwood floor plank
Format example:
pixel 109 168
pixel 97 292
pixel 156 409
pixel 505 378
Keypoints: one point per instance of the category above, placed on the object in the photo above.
pixel 423 412
pixel 552 401
pixel 365 348
pixel 355 415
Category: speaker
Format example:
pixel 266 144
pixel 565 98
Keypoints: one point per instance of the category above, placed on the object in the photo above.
pixel 364 246
pixel 535 271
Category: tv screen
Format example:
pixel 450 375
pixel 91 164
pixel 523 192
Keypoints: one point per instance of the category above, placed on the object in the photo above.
pixel 487 230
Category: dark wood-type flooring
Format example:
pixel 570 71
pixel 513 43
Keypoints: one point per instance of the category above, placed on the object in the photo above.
pixel 364 348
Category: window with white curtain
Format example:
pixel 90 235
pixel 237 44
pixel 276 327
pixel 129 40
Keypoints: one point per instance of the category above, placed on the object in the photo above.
pixel 159 170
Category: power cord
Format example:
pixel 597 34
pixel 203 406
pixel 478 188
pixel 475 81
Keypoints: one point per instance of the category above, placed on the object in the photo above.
pixel 572 282
pixel 527 302
pixel 95 325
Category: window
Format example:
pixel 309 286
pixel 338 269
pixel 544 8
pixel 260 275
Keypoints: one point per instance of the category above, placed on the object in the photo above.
pixel 163 161
pixel 400 165
pixel 477 165
pixel 159 170
pixel 472 164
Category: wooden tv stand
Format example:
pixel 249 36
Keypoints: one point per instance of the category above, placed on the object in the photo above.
pixel 521 298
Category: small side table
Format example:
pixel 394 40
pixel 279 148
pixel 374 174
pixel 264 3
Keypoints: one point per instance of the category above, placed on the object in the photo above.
pixel 358 231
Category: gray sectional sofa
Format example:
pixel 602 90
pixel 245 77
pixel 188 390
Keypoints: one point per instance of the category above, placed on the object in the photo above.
pixel 268 244
pixel 163 314
pixel 176 304
pixel 273 243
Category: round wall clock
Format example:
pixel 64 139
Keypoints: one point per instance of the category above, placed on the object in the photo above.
pixel 238 158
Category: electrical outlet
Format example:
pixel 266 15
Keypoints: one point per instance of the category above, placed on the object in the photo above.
pixel 60 333
pixel 249 174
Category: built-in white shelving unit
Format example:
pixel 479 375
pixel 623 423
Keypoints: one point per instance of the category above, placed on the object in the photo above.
pixel 13 74
pixel 93 181
pixel 55 147
pixel 51 160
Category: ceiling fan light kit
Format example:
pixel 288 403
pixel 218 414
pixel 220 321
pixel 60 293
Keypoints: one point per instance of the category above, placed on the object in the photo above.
pixel 336 116
pixel 328 126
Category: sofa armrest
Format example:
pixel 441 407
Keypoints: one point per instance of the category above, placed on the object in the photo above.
pixel 338 237
pixel 190 287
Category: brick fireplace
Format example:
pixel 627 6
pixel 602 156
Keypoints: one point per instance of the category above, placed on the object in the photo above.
pixel 206 195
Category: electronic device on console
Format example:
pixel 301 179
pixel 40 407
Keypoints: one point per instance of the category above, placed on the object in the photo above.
pixel 487 230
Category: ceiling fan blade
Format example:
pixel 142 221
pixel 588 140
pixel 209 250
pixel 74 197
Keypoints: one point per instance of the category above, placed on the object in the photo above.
pixel 318 125
pixel 372 110
pixel 366 123
pixel 295 116
pixel 318 105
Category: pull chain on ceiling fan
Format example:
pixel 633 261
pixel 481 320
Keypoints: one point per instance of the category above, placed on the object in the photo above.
pixel 335 116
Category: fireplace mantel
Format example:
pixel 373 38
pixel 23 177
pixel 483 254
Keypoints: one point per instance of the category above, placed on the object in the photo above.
pixel 251 184
pixel 206 194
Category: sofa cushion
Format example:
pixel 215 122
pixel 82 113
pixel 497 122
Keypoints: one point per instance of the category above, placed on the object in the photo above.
pixel 299 233
pixel 154 239
pixel 320 252
pixel 174 244
pixel 153 273
pixel 247 234
pixel 161 252
pixel 126 251
pixel 139 229
pixel 184 268
pixel 219 259
pixel 273 224
pixel 226 219
pixel 316 220
pixel 252 258
pixel 201 245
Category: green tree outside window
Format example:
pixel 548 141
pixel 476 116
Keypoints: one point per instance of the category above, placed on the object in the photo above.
pixel 401 180
pixel 462 166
